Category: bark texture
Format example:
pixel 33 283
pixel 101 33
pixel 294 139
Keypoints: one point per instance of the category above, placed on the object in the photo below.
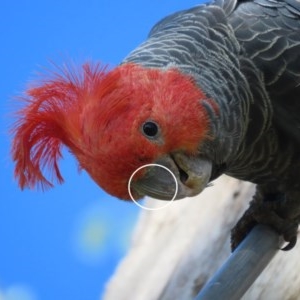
pixel 177 249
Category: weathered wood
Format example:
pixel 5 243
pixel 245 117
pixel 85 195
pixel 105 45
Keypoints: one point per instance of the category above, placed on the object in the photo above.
pixel 176 250
pixel 243 266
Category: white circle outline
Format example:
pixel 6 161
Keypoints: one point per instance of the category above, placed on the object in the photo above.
pixel 153 165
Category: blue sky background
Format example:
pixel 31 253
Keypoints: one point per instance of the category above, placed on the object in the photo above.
pixel 64 243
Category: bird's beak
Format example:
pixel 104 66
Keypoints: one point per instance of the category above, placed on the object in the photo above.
pixel 192 175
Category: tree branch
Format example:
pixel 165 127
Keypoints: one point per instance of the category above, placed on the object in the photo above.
pixel 176 250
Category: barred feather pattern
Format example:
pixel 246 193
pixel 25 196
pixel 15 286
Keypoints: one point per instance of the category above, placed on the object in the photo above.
pixel 244 56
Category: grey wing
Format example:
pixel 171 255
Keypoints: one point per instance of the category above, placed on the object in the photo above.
pixel 269 31
pixel 182 37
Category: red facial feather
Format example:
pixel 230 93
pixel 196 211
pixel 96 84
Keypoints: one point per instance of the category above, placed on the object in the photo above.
pixel 98 115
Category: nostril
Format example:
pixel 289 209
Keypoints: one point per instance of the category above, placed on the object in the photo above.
pixel 183 176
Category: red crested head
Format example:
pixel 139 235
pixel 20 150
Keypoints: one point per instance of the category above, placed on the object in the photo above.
pixel 112 121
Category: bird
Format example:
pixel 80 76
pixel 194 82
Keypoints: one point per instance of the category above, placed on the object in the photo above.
pixel 212 90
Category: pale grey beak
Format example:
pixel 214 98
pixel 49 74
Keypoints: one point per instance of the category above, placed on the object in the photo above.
pixel 192 176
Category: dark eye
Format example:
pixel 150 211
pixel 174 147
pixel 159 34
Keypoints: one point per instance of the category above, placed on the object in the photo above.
pixel 150 129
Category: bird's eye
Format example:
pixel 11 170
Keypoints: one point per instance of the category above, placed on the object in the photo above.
pixel 150 129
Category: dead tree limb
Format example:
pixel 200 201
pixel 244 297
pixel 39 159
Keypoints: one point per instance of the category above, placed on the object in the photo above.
pixel 175 251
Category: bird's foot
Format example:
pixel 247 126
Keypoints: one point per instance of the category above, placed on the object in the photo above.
pixel 281 215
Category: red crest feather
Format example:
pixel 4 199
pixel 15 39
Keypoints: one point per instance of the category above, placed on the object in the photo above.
pixel 50 119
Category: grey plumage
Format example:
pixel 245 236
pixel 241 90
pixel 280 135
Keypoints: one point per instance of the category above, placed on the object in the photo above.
pixel 245 56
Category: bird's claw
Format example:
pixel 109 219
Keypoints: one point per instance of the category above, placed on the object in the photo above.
pixel 290 245
pixel 290 236
pixel 265 213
